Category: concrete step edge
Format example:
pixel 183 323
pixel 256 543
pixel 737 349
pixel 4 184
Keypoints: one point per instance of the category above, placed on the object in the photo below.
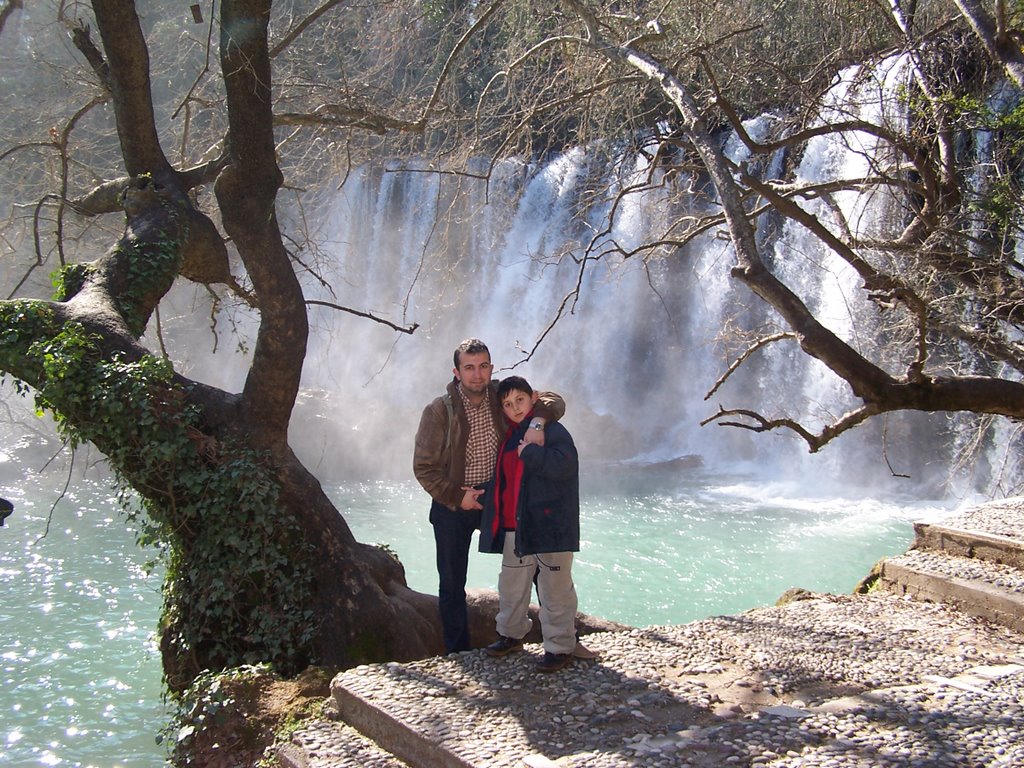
pixel 329 741
pixel 967 543
pixel 415 749
pixel 971 596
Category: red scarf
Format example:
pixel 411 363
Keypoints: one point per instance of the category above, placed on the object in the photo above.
pixel 509 478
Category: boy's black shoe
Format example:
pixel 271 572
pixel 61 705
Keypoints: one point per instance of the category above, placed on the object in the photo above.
pixel 503 646
pixel 552 662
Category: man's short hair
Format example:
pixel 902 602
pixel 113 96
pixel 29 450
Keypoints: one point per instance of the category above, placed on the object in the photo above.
pixel 516 383
pixel 470 347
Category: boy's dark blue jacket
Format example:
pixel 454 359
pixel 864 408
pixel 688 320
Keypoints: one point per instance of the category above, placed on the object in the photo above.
pixel 548 510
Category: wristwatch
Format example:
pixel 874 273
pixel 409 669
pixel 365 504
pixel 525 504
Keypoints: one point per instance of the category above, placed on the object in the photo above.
pixel 537 425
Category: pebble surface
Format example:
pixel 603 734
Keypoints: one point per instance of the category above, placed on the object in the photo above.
pixel 1003 518
pixel 994 574
pixel 826 681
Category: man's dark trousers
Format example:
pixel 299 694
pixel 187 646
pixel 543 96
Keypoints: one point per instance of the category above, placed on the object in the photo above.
pixel 453 534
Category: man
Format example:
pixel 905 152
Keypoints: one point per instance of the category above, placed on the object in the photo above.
pixel 456 448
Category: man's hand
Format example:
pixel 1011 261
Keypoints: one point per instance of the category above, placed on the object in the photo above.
pixel 471 500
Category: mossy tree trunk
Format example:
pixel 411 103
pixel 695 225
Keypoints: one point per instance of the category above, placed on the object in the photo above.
pixel 261 566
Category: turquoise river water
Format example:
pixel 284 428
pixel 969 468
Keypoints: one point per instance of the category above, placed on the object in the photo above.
pixel 79 667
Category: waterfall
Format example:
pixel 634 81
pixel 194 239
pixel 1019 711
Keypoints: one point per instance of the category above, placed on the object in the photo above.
pixel 496 253
pixel 636 350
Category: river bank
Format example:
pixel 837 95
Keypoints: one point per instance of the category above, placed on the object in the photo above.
pixel 829 681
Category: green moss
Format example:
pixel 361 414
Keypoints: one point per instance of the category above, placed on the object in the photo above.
pixel 149 269
pixel 210 703
pixel 238 584
pixel 68 280
pixel 249 707
pixel 148 263
pixel 872 582
pixel 22 323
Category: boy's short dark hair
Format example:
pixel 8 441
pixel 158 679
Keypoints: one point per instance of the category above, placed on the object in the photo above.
pixel 517 383
pixel 470 347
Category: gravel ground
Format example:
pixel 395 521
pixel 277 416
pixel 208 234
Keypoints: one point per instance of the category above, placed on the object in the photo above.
pixel 831 681
pixel 1004 518
pixel 865 681
pixel 995 574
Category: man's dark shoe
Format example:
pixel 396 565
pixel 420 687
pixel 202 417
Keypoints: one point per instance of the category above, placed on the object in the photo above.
pixel 552 662
pixel 503 646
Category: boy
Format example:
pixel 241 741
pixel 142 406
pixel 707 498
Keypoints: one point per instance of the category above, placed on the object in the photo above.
pixel 534 522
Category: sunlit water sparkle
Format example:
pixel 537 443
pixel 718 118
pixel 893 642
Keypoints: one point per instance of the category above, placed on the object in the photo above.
pixel 79 670
pixel 658 557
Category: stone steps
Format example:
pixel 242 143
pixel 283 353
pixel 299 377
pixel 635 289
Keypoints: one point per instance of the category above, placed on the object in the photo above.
pixel 988 590
pixel 330 743
pixel 990 547
pixel 972 561
pixel 783 686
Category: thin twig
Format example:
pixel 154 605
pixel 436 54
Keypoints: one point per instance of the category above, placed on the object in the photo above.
pixel 759 344
pixel 63 493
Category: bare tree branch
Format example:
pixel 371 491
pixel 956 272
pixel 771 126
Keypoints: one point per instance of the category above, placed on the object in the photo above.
pixel 202 72
pixel 302 26
pixel 815 441
pixel 247 190
pixel 80 36
pixel 128 60
pixel 368 315
pixel 761 343
pixel 994 34
pixel 879 391
pixel 479 23
pixel 339 116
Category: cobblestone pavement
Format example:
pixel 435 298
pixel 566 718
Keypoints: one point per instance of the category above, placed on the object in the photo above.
pixel 831 681
pixel 865 681
pixel 1004 518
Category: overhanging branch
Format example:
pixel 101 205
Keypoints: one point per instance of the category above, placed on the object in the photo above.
pixel 759 344
pixel 878 390
pixel 755 422
pixel 6 10
pixel 410 329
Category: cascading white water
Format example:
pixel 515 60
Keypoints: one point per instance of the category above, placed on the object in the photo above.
pixel 635 356
pixel 833 289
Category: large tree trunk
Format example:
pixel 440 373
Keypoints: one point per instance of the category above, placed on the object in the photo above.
pixel 260 565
